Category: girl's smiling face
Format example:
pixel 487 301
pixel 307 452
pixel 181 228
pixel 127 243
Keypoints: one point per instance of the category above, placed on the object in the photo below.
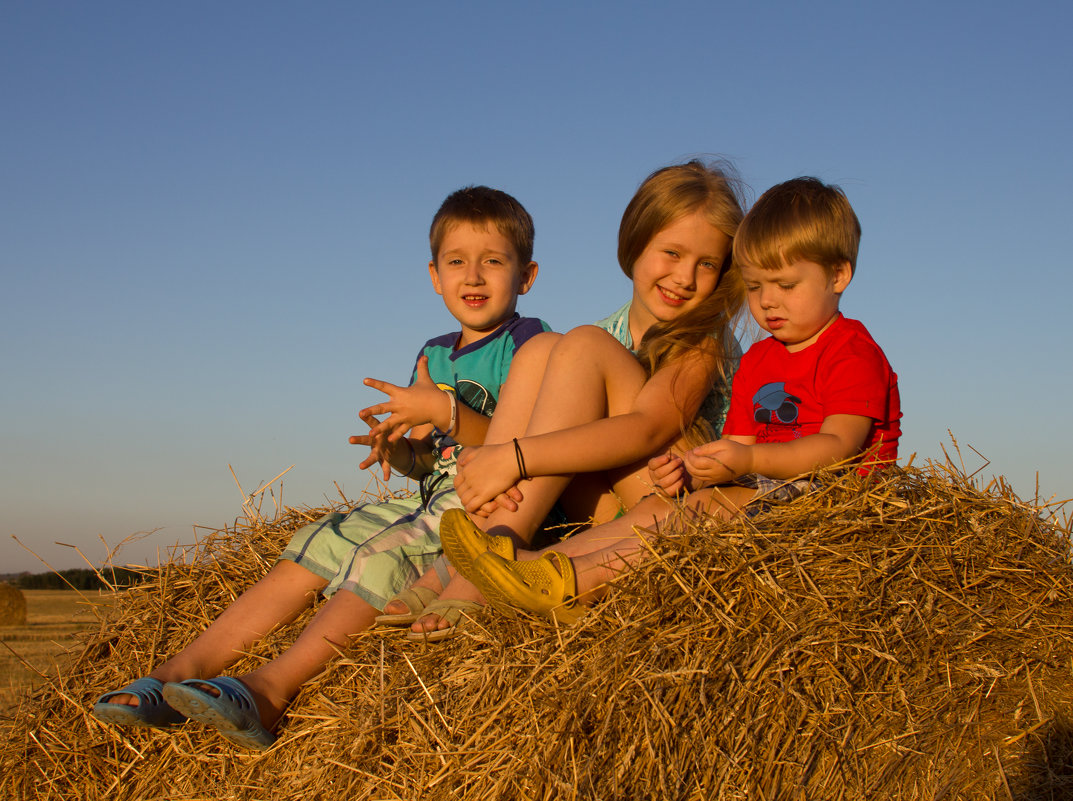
pixel 676 272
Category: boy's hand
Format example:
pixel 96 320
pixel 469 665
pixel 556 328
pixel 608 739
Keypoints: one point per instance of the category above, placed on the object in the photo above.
pixel 380 449
pixel 668 473
pixel 421 402
pixel 719 462
pixel 484 474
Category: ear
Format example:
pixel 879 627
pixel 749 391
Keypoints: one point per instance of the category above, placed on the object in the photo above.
pixel 434 274
pixel 527 277
pixel 841 277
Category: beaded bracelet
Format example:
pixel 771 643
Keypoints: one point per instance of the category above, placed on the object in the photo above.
pixel 452 429
pixel 521 460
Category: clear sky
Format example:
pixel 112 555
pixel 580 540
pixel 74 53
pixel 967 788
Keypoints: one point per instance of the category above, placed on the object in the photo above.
pixel 213 218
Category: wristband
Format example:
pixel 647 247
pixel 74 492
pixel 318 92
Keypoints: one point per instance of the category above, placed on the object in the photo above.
pixel 413 458
pixel 452 429
pixel 521 460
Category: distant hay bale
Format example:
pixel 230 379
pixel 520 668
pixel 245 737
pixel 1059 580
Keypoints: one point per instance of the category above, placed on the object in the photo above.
pixel 901 637
pixel 12 605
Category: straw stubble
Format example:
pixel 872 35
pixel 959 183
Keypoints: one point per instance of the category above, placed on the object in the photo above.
pixel 905 636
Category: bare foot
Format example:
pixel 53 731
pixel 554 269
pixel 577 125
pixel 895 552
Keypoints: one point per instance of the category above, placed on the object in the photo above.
pixel 459 589
pixel 429 580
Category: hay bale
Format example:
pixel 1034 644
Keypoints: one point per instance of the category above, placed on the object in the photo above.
pixel 906 637
pixel 12 605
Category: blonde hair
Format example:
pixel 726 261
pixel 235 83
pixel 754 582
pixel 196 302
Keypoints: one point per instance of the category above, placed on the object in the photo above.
pixel 664 197
pixel 802 219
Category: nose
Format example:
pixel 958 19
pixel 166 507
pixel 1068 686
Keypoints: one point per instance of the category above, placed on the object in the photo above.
pixel 767 297
pixel 474 276
pixel 685 274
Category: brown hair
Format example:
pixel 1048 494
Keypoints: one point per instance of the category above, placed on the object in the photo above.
pixel 800 219
pixel 665 196
pixel 480 205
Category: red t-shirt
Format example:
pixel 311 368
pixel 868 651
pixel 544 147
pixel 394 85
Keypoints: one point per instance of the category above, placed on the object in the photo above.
pixel 778 396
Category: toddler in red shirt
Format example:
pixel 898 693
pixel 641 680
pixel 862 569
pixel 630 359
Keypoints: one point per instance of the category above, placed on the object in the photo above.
pixel 819 390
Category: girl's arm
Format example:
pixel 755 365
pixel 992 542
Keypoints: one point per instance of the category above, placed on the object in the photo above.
pixel 661 410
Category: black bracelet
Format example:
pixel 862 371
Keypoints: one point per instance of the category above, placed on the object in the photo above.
pixel 521 460
pixel 413 458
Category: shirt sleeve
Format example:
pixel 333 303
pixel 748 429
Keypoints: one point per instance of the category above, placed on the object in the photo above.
pixel 856 380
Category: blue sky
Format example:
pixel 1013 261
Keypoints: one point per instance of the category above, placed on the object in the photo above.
pixel 214 219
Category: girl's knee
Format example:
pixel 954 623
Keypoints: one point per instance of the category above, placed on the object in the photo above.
pixel 535 352
pixel 588 336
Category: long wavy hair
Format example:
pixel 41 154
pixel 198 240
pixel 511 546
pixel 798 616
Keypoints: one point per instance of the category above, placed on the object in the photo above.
pixel 666 196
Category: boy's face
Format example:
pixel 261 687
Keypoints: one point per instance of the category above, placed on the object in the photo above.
pixel 796 302
pixel 480 278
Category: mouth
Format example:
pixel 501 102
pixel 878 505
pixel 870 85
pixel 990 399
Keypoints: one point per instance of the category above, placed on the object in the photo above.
pixel 774 323
pixel 672 298
pixel 475 301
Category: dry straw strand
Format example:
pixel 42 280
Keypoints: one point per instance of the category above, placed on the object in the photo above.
pixel 901 636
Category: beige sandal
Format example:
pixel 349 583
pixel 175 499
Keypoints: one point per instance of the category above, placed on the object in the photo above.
pixel 416 600
pixel 451 610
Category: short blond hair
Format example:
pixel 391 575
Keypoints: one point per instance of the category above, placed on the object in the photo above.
pixel 799 220
pixel 483 206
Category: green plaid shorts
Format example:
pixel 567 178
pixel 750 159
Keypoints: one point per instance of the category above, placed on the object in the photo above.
pixel 378 549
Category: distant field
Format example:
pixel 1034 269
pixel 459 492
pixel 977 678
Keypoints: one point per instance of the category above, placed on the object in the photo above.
pixel 52 619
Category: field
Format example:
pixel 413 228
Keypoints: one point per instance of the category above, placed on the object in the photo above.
pixel 53 618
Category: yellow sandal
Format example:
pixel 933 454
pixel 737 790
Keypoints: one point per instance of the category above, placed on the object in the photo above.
pixel 463 541
pixel 546 586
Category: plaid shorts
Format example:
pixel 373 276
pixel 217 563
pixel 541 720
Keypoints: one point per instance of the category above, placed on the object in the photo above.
pixel 378 549
pixel 770 491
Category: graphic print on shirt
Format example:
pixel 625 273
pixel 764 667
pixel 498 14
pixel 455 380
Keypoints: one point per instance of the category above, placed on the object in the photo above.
pixel 774 406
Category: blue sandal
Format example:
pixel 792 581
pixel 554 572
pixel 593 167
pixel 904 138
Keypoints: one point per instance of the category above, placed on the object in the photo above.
pixel 233 710
pixel 151 712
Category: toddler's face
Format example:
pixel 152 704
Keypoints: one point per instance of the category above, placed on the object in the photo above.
pixel 479 276
pixel 796 302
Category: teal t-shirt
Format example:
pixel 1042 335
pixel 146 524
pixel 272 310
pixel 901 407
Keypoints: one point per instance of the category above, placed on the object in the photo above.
pixel 475 374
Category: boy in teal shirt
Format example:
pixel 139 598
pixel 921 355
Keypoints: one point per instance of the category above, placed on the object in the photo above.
pixel 482 244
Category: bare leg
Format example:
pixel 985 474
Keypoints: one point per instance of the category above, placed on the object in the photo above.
pixel 515 407
pixel 588 376
pixel 275 683
pixel 285 591
pixel 601 553
pixel 519 393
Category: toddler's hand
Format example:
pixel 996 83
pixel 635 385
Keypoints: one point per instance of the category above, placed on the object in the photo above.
pixel 719 462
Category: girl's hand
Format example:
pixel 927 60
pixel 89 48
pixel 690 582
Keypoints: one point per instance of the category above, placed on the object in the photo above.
pixel 421 402
pixel 508 500
pixel 719 462
pixel 485 473
pixel 668 473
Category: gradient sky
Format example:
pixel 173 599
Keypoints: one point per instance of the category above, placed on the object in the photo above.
pixel 213 219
